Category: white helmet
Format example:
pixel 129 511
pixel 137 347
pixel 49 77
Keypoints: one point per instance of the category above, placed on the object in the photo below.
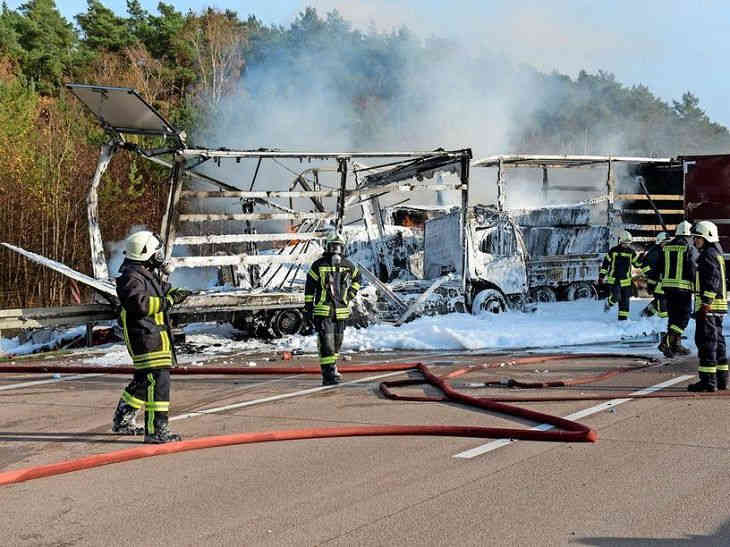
pixel 684 228
pixel 625 237
pixel 334 240
pixel 707 230
pixel 661 237
pixel 141 246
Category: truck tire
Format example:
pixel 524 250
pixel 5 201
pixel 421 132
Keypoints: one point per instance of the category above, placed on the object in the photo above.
pixel 581 290
pixel 489 300
pixel 287 322
pixel 543 294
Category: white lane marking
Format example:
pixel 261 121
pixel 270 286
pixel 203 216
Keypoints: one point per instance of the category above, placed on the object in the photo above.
pixel 49 381
pixel 483 449
pixel 282 396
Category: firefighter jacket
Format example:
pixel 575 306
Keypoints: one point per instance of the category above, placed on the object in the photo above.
pixel 144 317
pixel 678 264
pixel 616 267
pixel 650 262
pixel 330 287
pixel 711 284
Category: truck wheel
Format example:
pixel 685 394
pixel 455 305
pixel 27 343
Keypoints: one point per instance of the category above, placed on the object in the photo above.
pixel 287 322
pixel 543 294
pixel 581 290
pixel 490 300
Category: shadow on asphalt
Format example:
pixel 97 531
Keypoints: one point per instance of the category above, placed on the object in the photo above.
pixel 720 537
pixel 75 437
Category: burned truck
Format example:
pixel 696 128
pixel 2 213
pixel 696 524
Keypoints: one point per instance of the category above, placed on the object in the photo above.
pixel 511 258
pixel 245 223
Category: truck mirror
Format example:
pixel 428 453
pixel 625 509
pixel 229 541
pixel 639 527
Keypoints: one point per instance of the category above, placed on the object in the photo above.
pixel 485 245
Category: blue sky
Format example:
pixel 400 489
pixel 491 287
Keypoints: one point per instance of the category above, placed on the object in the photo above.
pixel 671 46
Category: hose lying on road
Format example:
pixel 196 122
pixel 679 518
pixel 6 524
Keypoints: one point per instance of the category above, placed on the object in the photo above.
pixel 567 430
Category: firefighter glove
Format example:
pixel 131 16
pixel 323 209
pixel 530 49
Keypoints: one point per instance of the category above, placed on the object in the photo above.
pixel 175 296
pixel 705 308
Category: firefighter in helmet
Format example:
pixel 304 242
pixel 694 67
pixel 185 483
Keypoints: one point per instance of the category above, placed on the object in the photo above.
pixel 332 283
pixel 146 300
pixel 649 263
pixel 677 265
pixel 616 272
pixel 710 309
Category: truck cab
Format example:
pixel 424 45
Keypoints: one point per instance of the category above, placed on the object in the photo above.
pixel 496 276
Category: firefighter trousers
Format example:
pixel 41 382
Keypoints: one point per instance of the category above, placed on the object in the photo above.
pixel 658 305
pixel 622 296
pixel 150 388
pixel 710 340
pixel 679 309
pixel 330 333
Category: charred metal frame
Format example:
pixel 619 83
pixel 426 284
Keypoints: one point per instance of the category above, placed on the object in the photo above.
pixel 183 161
pixel 545 162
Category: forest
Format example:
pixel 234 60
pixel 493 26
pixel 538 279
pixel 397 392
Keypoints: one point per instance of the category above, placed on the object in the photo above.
pixel 217 73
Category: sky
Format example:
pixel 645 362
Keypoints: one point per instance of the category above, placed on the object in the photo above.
pixel 670 46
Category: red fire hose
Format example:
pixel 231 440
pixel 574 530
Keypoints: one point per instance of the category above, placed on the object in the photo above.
pixel 567 430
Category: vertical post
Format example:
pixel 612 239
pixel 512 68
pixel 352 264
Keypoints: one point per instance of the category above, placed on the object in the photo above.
pixel 545 183
pixel 342 170
pixel 168 230
pixel 98 259
pixel 610 188
pixel 465 226
pixel 500 187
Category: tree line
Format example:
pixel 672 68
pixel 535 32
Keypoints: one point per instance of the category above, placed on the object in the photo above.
pixel 188 66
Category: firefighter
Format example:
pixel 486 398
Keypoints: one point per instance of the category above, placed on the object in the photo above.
pixel 332 283
pixel 653 277
pixel 677 266
pixel 616 272
pixel 710 309
pixel 146 300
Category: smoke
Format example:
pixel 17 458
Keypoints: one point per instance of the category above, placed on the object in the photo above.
pixel 407 83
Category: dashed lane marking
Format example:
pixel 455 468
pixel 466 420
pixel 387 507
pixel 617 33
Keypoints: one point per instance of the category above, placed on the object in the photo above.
pixel 494 445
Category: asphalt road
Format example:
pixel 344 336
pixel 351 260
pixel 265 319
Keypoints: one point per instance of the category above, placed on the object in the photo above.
pixel 658 475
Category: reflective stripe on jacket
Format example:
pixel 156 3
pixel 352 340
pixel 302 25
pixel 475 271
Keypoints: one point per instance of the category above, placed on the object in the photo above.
pixel 711 285
pixel 677 265
pixel 650 262
pixel 331 287
pixel 617 263
pixel 144 317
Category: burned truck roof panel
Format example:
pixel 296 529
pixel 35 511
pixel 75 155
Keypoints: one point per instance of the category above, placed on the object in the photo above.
pixel 419 168
pixel 122 110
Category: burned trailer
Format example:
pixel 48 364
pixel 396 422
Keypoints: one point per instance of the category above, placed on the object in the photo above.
pixel 706 181
pixel 690 188
pixel 247 237
pixel 565 243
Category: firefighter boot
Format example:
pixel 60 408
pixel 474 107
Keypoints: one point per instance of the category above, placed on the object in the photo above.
pixel 328 375
pixel 337 373
pixel 123 422
pixel 721 380
pixel 707 383
pixel 674 339
pixel 664 346
pixel 161 433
